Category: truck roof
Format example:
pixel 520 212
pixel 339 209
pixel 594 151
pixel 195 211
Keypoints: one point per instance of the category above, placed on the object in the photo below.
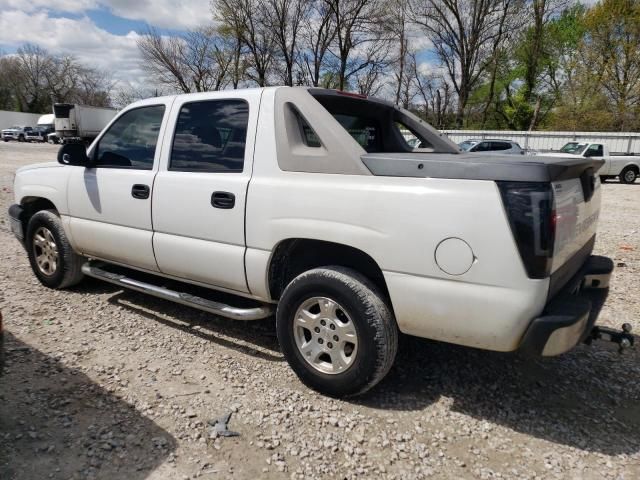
pixel 227 93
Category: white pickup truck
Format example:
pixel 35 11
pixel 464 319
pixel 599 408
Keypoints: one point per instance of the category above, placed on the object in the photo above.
pixel 626 167
pixel 311 204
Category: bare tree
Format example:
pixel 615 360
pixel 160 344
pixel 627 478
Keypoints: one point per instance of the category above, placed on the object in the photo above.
pixel 33 64
pixel 319 32
pixel 246 19
pixel 462 33
pixel 435 93
pixel 508 24
pixel 398 27
pixel 541 12
pixel 125 94
pixel 197 61
pixel 369 80
pixel 32 79
pixel 163 60
pixel 358 22
pixel 285 20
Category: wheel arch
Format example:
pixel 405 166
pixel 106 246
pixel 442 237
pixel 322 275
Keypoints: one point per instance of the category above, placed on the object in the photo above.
pixel 632 166
pixel 293 256
pixel 31 205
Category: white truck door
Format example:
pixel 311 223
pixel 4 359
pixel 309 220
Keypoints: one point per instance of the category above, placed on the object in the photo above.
pixel 200 191
pixel 110 204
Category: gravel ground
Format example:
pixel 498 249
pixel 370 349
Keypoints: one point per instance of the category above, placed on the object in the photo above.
pixel 104 383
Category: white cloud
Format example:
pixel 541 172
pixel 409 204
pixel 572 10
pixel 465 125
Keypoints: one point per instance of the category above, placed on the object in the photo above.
pixel 163 13
pixel 58 5
pixel 116 54
pixel 432 68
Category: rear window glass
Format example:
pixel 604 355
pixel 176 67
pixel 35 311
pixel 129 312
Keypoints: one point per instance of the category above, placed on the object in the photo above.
pixel 365 131
pixel 411 139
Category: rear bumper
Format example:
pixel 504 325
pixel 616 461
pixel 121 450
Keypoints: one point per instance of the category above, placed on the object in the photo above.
pixel 568 318
pixel 15 220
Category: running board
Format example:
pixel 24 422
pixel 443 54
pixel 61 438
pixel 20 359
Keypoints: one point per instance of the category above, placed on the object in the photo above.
pixel 217 308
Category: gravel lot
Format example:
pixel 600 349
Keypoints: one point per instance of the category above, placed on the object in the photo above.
pixel 104 383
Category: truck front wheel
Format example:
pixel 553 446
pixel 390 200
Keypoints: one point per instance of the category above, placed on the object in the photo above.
pixel 628 175
pixel 336 331
pixel 52 258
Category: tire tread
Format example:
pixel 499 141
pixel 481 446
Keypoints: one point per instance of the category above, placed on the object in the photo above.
pixel 72 262
pixel 378 315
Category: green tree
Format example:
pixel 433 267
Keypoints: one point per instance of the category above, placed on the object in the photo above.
pixel 612 53
pixel 531 71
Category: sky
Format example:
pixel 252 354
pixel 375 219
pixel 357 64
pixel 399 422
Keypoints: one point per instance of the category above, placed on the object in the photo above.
pixel 100 33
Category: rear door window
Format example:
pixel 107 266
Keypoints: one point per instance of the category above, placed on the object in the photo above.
pixel 210 136
pixel 482 147
pixel 594 150
pixel 497 146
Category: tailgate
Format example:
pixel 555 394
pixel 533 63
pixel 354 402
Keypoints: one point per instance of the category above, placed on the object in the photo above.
pixel 577 207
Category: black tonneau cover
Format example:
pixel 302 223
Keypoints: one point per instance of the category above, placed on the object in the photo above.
pixel 517 168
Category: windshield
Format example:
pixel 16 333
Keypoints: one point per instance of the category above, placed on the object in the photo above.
pixel 467 145
pixel 574 148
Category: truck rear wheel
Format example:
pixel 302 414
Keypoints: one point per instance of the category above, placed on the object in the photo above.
pixel 52 258
pixel 628 175
pixel 336 331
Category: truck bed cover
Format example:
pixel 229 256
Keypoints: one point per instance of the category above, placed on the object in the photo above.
pixel 478 167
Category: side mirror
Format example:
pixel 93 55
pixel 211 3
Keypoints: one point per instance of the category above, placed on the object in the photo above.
pixel 74 154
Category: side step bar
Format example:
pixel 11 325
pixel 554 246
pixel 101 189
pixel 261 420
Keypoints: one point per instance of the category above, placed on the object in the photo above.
pixel 217 308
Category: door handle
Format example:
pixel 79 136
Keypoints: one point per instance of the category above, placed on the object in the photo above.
pixel 224 200
pixel 140 191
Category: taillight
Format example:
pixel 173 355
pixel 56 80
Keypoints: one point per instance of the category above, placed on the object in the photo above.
pixel 532 217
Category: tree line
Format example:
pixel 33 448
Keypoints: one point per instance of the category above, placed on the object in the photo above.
pixel 491 64
pixel 515 64
pixel 32 79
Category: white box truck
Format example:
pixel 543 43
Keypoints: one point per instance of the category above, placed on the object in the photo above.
pixel 80 123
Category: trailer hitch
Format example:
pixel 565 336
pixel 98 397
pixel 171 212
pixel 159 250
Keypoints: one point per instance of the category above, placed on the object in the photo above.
pixel 624 338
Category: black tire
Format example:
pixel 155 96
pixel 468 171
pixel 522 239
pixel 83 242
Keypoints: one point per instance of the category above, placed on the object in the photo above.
pixel 364 305
pixel 68 267
pixel 21 138
pixel 628 175
pixel 603 178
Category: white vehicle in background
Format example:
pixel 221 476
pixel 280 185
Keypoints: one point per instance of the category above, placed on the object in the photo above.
pixel 41 131
pixel 80 123
pixel 17 132
pixel 492 146
pixel 626 167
